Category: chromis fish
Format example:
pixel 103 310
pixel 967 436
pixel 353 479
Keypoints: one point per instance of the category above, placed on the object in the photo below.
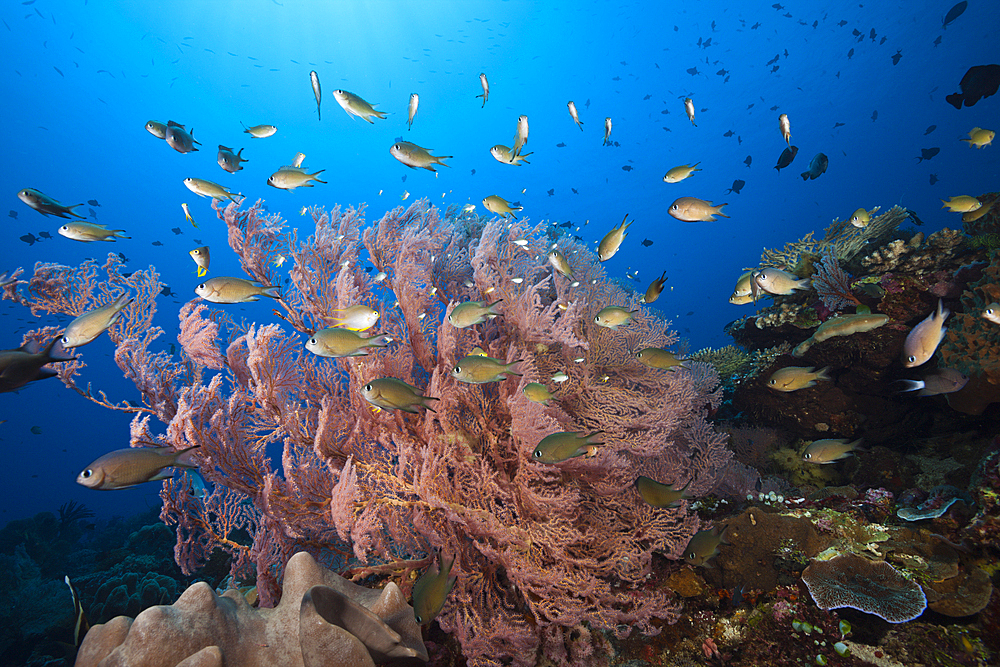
pixel 393 394
pixel 972 216
pixel 537 393
pixel 940 381
pixel 188 216
pixel 520 135
pixel 414 156
pixel 560 264
pixel 411 110
pixel 338 342
pixel 609 245
pixel 431 590
pixel 992 313
pixel 506 155
pixel 180 139
pixel 829 451
pixel 861 218
pixel 655 357
pixel 923 339
pixel 226 289
pixel 692 209
pixel 607 131
pixel 46 205
pixel 289 179
pixel 88 326
pixel 479 369
pixel 817 167
pixel 486 87
pixel 500 206
pixel 777 281
pixel 26 364
pixel 574 115
pixel 786 157
pixel 87 232
pixel 231 162
pixel 473 312
pixel 979 138
pixel 661 495
pixel 355 106
pixel 124 468
pixel 260 131
pixel 655 289
pixel 961 204
pixel 204 188
pixel 157 129
pixel 704 546
pixel 198 487
pixel 612 317
pixel 314 79
pixel 559 447
pixel 356 318
pixel 689 110
pixel 793 378
pixel 202 258
pixel 742 291
pixel 679 173
pixel 786 128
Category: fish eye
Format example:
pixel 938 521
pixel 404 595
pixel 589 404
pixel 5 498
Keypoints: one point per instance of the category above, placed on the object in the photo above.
pixel 313 341
pixel 691 556
pixel 420 619
pixel 458 369
pixel 911 358
pixel 807 456
pixel 989 311
pixel 201 286
pixel 674 207
pixel 772 382
pixel 537 454
pixel 86 474
pixel 65 340
pixel 367 387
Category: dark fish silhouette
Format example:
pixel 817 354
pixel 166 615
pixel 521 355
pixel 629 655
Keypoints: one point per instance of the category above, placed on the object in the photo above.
pixel 647 242
pixel 817 167
pixel 930 129
pixel 755 26
pixel 842 24
pixel 748 161
pixel 93 213
pixel 729 133
pixel 774 108
pixel 176 230
pixel 566 224
pixel 166 291
pixel 875 115
pixel 927 154
pixel 122 257
pixel 737 186
pixel 13 214
pixel 883 41
pixel 665 112
pixel 647 97
pixel 979 82
pixel 473 173
pixel 616 78
pixel 586 105
pixel 93 202
pixel 786 157
pixel 692 71
pixel 560 145
pixel 857 33
pixel 44 235
pixel 157 243
pixel 29 239
pixel 552 192
pixel 836 125
pixel 934 179
pixel 897 57
pixel 773 60
pixel 404 178
pixel 850 53
pixel 775 68
pixel 872 34
pixel 954 13
pixel 626 168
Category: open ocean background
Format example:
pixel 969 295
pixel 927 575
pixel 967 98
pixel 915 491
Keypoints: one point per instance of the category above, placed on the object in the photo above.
pixel 80 79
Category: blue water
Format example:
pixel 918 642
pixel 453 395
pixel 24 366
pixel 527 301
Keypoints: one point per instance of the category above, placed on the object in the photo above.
pixel 77 133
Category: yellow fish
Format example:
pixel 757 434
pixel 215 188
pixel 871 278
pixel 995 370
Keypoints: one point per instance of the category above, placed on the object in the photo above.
pixel 259 131
pixel 225 289
pixel 123 468
pixel 289 179
pixel 480 369
pixel 923 339
pixel 355 106
pixel 561 264
pixel 537 393
pixel 692 209
pixel 979 138
pixel 612 317
pixel 87 232
pixel 413 156
pixel 689 110
pixel 205 188
pixel 678 174
pixel 157 129
pixel 574 115
pixel 776 281
pixel 188 216
pixel 521 135
pixel 411 110
pixel 961 204
pixel 992 313
pixel 609 245
pixel 314 80
pixel 786 128
pixel 337 342
pixel 661 495
pixel 704 546
pixel 431 590
pixel 472 312
pixel 860 218
pixel 88 326
pixel 500 206
pixel 393 394
pixel 202 258
pixel 654 357
pixel 355 318
pixel 559 447
pixel 829 451
pixel 655 289
pixel 793 378
pixel 506 155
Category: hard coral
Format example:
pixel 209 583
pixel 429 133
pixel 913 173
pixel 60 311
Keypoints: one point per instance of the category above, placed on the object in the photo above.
pixel 874 587
pixel 322 619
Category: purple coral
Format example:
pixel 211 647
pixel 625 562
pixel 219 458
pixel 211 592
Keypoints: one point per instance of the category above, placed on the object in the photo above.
pixel 873 587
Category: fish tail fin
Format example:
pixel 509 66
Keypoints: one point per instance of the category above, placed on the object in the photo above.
pixel 512 214
pixel 719 210
pixel 183 458
pixel 579 124
pixel 805 175
pixel 381 340
pixel 910 385
pixel 273 292
pixel 116 234
pixel 239 155
pixel 202 271
pixel 69 209
pixel 313 176
pixel 823 374
pixel 441 158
